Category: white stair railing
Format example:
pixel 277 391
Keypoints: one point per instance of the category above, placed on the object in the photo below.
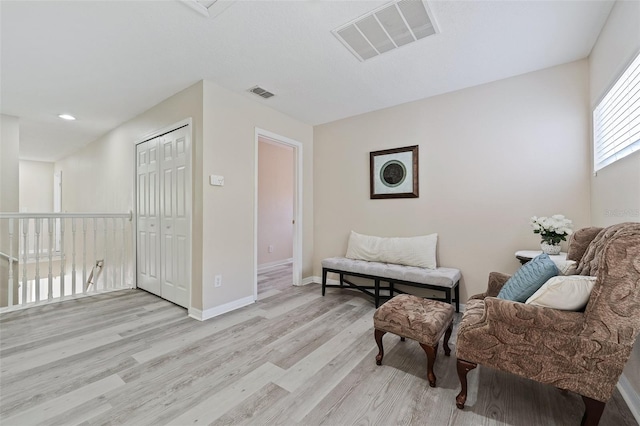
pixel 46 256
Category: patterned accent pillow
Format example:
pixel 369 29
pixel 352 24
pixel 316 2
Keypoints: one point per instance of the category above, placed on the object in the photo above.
pixel 568 293
pixel 528 279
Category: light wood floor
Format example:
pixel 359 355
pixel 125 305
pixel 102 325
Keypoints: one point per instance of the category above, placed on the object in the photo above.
pixel 293 357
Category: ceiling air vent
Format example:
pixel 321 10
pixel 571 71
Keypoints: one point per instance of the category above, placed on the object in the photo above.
pixel 387 28
pixel 261 92
pixel 201 6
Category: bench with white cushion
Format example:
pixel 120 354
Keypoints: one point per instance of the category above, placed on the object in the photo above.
pixel 441 279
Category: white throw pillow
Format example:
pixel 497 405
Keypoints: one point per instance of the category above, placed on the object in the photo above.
pixel 566 267
pixel 564 292
pixel 411 251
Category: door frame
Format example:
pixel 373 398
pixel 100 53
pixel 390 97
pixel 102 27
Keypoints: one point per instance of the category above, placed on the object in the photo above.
pixel 297 204
pixel 187 122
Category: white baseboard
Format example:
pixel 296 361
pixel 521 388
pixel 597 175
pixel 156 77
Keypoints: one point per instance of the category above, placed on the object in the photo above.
pixel 219 310
pixel 318 280
pixel 310 280
pixel 266 266
pixel 631 397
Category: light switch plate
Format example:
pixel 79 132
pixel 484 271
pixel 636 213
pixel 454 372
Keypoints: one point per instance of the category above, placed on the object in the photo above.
pixel 216 180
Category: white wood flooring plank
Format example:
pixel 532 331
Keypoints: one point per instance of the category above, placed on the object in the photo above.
pixel 305 344
pixel 46 354
pixel 228 398
pixel 42 355
pixel 78 416
pixel 268 293
pixel 360 300
pixel 80 320
pixel 251 410
pixel 312 363
pixel 384 405
pixel 43 384
pixel 290 348
pixel 289 305
pixel 301 402
pixel 42 412
pixel 161 304
pixel 170 319
pixel 213 326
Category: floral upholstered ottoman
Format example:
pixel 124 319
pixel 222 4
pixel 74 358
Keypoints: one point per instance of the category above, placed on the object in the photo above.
pixel 419 319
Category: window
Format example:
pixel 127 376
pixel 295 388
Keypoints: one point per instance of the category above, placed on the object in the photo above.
pixel 616 119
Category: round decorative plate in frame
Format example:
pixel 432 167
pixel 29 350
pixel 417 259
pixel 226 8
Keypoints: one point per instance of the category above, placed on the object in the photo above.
pixel 394 173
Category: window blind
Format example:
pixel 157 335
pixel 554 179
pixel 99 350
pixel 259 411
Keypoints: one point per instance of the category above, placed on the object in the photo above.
pixel 616 119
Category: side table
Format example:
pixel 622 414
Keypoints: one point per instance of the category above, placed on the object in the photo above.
pixel 526 255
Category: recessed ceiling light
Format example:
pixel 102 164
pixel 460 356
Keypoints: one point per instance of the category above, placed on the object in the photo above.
pixel 67 117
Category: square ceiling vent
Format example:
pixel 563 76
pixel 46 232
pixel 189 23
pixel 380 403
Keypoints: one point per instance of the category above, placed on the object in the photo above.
pixel 200 6
pixel 387 28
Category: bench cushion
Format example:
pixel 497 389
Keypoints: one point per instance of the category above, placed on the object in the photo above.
pixel 441 277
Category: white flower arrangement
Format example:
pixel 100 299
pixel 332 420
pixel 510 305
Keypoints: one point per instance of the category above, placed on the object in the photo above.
pixel 552 229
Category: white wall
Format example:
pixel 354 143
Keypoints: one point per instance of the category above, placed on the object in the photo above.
pixel 491 156
pixel 275 202
pixel 615 191
pixel 99 177
pixel 36 186
pixel 9 192
pixel 230 121
pixel 9 172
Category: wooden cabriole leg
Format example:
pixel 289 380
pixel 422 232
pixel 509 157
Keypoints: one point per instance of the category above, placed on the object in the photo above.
pixel 457 293
pixel 378 335
pixel 593 411
pixel 431 352
pixel 463 368
pixel 324 280
pixel 445 343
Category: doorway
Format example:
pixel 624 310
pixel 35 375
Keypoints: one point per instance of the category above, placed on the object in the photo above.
pixel 278 210
pixel 163 215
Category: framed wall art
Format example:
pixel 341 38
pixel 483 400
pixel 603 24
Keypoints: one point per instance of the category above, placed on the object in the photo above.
pixel 394 173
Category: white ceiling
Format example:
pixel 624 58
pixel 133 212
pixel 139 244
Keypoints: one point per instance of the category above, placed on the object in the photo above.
pixel 107 61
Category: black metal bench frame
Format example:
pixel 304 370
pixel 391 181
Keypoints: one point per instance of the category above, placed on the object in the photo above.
pixel 375 294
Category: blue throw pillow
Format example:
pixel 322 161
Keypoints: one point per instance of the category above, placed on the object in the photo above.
pixel 528 279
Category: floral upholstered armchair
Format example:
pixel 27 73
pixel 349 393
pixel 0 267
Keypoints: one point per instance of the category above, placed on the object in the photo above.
pixel 583 352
